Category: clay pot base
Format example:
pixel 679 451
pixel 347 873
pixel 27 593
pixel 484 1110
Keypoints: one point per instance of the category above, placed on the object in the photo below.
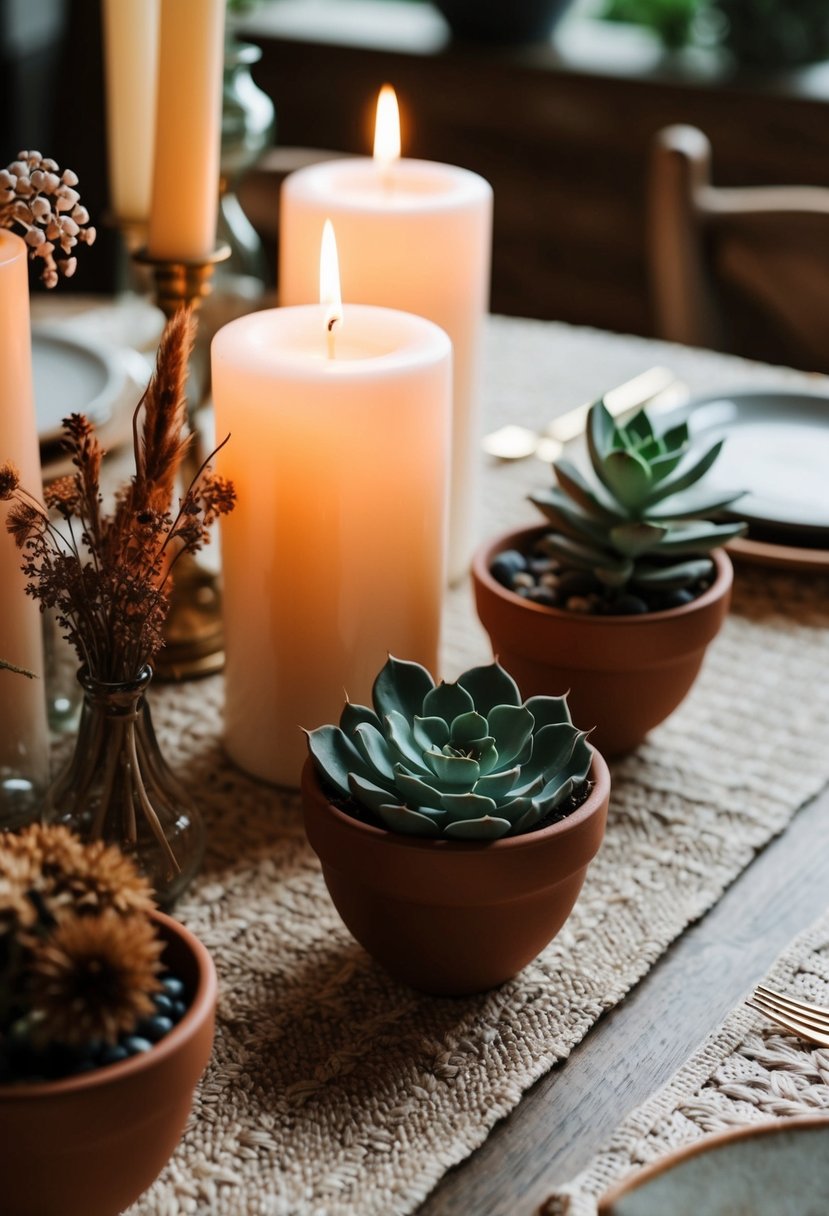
pixel 625 674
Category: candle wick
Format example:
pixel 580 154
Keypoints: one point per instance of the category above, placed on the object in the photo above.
pixel 330 336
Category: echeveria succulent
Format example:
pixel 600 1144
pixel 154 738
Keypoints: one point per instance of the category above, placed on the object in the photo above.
pixel 463 760
pixel 643 521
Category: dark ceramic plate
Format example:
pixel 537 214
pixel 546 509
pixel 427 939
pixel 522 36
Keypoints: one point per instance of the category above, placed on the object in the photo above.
pixel 777 448
pixel 772 1169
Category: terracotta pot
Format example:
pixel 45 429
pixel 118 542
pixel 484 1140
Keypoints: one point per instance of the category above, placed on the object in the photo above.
pixel 89 1145
pixel 625 674
pixel 451 917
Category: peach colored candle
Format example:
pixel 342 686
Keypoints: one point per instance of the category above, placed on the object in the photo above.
pixel 185 189
pixel 412 235
pixel 131 54
pixel 23 735
pixel 334 555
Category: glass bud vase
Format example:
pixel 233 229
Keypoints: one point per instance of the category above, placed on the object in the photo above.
pixel 117 787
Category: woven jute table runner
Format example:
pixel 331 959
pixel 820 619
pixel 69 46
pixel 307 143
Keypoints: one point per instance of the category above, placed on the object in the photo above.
pixel 748 1071
pixel 334 1091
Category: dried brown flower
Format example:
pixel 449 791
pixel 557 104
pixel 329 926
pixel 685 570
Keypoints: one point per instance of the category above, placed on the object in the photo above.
pixel 44 206
pixel 65 873
pixel 79 954
pixel 9 481
pixel 106 879
pixel 21 520
pixel 107 576
pixel 62 495
pixel 93 978
pixel 52 847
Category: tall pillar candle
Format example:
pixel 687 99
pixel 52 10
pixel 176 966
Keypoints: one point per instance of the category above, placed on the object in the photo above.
pixel 23 732
pixel 131 58
pixel 334 555
pixel 185 193
pixel 412 235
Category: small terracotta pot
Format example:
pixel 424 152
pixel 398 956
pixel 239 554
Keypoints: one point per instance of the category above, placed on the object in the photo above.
pixel 450 917
pixel 89 1145
pixel 625 674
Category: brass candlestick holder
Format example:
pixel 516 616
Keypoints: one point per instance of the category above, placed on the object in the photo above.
pixel 193 633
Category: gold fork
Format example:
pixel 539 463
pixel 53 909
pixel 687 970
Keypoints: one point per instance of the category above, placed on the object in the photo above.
pixel 809 1021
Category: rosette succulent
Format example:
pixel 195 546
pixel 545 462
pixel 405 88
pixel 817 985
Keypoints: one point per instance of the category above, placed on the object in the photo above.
pixel 643 521
pixel 464 760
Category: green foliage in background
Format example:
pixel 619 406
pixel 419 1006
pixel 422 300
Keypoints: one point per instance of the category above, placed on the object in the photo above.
pixel 757 33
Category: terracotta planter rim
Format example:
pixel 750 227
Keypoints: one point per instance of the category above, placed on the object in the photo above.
pixel 204 999
pixel 485 552
pixel 599 773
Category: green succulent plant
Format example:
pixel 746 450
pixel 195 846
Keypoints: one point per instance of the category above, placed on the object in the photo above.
pixel 643 521
pixel 465 760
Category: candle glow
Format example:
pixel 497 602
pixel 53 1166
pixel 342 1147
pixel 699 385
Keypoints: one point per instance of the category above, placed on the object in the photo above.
pixel 387 129
pixel 330 294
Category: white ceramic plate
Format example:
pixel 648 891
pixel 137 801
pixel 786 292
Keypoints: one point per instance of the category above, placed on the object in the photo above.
pixel 71 377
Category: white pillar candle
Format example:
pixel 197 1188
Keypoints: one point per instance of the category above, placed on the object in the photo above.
pixel 334 555
pixel 23 731
pixel 185 193
pixel 131 60
pixel 412 235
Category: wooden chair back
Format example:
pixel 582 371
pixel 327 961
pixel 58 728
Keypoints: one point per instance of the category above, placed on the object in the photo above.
pixel 744 269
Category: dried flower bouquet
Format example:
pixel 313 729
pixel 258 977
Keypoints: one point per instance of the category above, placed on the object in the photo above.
pixel 107 576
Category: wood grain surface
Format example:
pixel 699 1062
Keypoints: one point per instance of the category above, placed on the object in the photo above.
pixel 564 1119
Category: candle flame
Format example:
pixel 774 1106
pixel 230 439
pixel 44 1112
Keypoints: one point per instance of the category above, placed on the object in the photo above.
pixel 387 128
pixel 330 295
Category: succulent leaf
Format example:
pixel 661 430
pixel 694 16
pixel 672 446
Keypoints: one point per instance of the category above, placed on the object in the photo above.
pixel 670 578
pixel 353 715
pixel 457 772
pixel 589 499
pixel 412 823
pixel 489 828
pixel 512 726
pixel 567 518
pixel 549 711
pixel 374 748
pixel 498 785
pixel 448 701
pixel 552 749
pixel 371 795
pixel 489 686
pixel 476 774
pixel 690 476
pixel 644 505
pixel 430 732
pixel 416 791
pixel 469 728
pixel 627 475
pixel 400 686
pixel 468 806
pixel 635 538
pixel 400 735
pixel 335 755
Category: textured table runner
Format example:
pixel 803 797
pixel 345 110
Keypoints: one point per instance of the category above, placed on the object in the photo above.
pixel 334 1091
pixel 748 1071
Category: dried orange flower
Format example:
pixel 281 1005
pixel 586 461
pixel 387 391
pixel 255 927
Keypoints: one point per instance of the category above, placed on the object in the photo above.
pixel 93 978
